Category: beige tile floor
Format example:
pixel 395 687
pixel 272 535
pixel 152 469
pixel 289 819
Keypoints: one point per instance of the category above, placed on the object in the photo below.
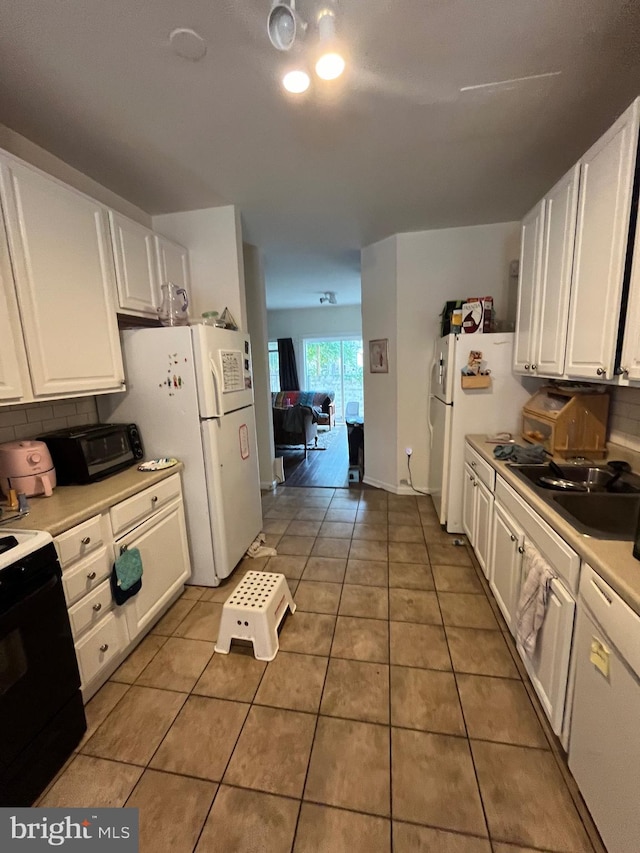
pixel 394 717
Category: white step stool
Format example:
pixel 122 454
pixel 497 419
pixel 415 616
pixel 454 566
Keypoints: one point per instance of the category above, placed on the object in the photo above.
pixel 254 611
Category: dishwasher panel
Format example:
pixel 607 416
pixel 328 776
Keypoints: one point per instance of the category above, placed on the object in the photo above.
pixel 604 748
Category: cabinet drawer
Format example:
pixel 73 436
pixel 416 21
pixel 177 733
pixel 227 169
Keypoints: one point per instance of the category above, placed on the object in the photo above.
pixel 87 575
pixel 480 467
pixel 135 509
pixel 553 548
pixel 87 612
pixel 97 648
pixel 79 541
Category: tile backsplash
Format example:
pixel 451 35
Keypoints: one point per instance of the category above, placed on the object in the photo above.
pixel 624 417
pixel 32 419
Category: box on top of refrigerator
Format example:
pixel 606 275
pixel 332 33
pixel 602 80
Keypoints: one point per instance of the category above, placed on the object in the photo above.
pixel 477 315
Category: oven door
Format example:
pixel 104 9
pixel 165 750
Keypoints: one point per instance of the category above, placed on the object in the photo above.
pixel 38 668
pixel 107 451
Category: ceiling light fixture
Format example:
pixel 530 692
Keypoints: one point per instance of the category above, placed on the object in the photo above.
pixel 284 24
pixel 330 297
pixel 330 64
pixel 296 81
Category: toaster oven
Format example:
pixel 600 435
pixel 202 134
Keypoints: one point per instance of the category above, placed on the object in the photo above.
pixel 84 454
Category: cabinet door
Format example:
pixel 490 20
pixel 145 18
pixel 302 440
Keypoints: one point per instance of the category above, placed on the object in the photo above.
pixel 165 560
pixel 134 251
pixel 63 266
pixel 630 359
pixel 530 257
pixel 173 263
pixel 549 667
pixel 505 566
pixel 606 186
pixel 483 516
pixel 561 213
pixel 468 504
pixel 12 387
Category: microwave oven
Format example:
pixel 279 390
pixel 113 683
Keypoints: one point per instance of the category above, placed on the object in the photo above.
pixel 84 454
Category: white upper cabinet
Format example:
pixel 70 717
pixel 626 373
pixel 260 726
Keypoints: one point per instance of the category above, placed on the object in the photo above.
pixel 136 266
pixel 64 280
pixel 529 284
pixel 173 263
pixel 546 259
pixel 606 187
pixel 630 359
pixel 552 302
pixel 12 357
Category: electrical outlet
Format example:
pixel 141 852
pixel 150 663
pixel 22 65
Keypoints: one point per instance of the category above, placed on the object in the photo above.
pixel 408 451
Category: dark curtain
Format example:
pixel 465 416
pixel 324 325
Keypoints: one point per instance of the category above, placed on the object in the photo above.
pixel 287 359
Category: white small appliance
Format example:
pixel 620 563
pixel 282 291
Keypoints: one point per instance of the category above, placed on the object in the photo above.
pixel 26 466
pixel 455 412
pixel 190 391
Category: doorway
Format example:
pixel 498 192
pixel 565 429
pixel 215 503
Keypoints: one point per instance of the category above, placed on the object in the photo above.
pixel 335 364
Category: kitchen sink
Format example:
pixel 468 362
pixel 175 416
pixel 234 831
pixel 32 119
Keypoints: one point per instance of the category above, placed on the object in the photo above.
pixel 591 477
pixel 603 515
pixel 596 512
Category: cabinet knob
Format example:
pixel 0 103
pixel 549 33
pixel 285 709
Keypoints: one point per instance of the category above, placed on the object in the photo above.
pixel 86 540
pixel 473 464
pixel 513 538
pixel 91 575
pixel 625 370
pixel 154 499
pixel 601 371
pixel 97 607
pixel 527 366
pixel 475 484
pixel 534 367
pixel 104 647
pixel 521 550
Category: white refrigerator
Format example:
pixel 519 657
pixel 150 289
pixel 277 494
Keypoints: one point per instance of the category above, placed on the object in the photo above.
pixel 189 390
pixel 455 412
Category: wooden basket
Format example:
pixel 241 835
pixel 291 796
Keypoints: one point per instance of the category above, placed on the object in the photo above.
pixel 482 380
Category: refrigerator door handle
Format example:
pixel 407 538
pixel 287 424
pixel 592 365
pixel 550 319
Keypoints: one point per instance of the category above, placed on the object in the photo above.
pixel 217 389
pixel 429 420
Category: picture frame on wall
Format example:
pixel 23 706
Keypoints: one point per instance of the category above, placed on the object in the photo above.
pixel 379 356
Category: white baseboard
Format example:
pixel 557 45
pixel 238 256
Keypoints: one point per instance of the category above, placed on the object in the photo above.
pixel 393 488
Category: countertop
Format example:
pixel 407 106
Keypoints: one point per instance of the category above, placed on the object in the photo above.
pixel 612 559
pixel 70 505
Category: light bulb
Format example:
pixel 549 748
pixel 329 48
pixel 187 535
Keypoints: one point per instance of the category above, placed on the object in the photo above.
pixel 296 82
pixel 330 66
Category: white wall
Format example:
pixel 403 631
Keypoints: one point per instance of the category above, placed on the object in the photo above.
pixel 380 320
pixel 257 328
pixel 433 267
pixel 213 237
pixel 301 323
pixel 31 153
pixel 405 282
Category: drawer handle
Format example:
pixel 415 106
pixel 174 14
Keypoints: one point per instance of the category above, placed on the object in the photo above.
pixel 97 607
pixel 513 538
pixel 521 549
pixel 154 499
pixel 91 575
pixel 86 540
pixel 104 647
pixel 473 464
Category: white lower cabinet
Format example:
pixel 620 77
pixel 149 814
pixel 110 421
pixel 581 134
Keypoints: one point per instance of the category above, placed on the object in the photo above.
pixel 162 541
pixel 505 562
pixel 477 505
pixel 104 632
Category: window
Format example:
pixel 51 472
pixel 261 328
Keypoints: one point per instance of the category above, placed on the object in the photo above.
pixel 335 365
pixel 274 366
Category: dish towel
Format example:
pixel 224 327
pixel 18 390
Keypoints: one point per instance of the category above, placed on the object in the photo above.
pixel 532 455
pixel 126 576
pixel 532 604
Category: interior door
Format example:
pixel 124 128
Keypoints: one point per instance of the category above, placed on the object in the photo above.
pixel 233 486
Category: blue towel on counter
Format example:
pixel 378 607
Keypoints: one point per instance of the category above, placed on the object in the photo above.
pixel 532 455
pixel 126 576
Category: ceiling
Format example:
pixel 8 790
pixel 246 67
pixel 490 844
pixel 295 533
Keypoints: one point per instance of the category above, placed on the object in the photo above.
pixel 395 146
